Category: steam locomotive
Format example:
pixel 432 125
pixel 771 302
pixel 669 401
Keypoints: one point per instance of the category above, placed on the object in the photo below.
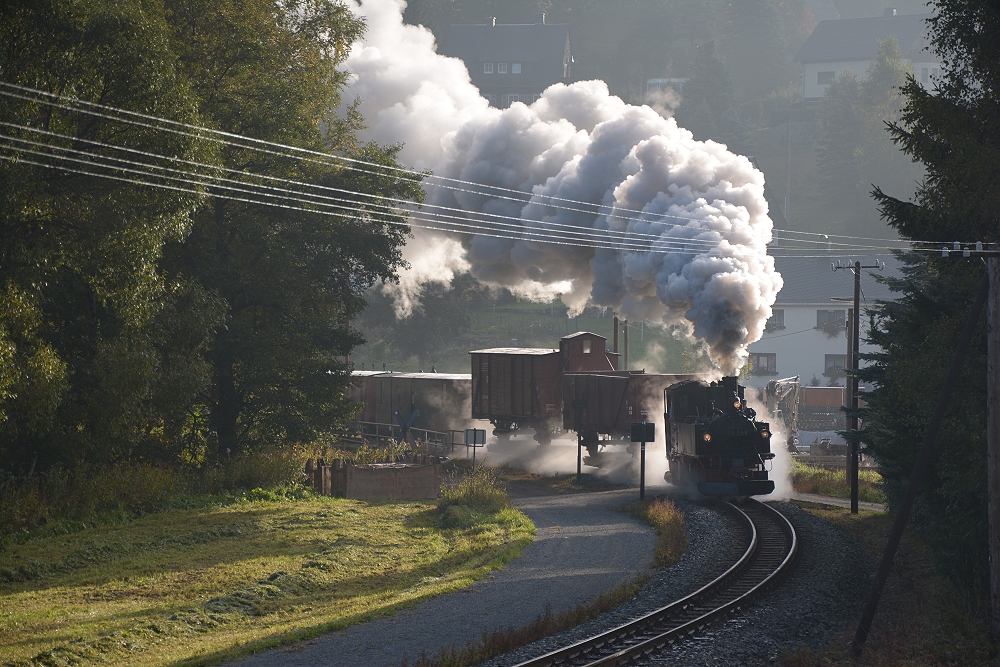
pixel 715 441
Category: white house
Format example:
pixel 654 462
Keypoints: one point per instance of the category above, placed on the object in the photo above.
pixel 806 336
pixel 851 44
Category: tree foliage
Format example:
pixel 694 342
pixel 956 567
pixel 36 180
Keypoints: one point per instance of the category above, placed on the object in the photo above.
pixel 855 151
pixel 954 132
pixel 139 322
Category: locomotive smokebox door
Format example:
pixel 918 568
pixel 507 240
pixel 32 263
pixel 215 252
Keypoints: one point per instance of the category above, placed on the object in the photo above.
pixel 643 432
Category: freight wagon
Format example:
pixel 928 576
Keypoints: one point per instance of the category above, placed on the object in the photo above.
pixel 440 398
pixel 521 387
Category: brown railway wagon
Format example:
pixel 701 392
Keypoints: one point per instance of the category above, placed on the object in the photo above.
pixel 439 397
pixel 521 387
pixel 609 403
pixel 516 387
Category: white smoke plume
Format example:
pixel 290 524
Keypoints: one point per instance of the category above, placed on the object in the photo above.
pixel 697 207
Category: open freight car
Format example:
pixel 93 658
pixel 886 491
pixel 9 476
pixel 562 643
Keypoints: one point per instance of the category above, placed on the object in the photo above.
pixel 715 441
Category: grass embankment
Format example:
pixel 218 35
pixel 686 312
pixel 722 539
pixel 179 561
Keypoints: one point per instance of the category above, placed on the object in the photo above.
pixel 921 620
pixel 807 479
pixel 667 522
pixel 191 586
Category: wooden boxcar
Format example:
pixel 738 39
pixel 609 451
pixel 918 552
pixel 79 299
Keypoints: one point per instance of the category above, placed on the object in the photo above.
pixel 521 387
pixel 440 398
pixel 607 404
pixel 517 387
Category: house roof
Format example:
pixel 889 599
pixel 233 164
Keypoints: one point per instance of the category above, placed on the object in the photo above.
pixel 541 48
pixel 515 350
pixel 810 280
pixel 582 333
pixel 857 39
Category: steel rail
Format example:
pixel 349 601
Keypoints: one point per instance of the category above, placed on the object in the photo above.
pixel 674 622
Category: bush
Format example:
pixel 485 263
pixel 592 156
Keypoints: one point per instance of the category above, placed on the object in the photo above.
pixel 668 524
pixel 479 490
pixel 129 489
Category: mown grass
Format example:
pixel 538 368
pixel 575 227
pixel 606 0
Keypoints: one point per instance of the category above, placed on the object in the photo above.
pixel 201 585
pixel 808 479
pixel 922 620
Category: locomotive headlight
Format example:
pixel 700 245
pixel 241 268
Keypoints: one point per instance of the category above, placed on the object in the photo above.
pixel 707 437
pixel 736 404
pixel 764 434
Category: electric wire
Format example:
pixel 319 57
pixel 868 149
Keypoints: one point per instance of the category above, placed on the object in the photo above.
pixel 326 158
pixel 660 243
pixel 421 223
pixel 510 231
pixel 518 222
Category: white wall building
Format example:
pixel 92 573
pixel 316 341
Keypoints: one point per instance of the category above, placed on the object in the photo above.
pixel 836 46
pixel 806 336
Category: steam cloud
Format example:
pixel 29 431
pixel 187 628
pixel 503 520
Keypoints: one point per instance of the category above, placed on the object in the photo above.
pixel 699 207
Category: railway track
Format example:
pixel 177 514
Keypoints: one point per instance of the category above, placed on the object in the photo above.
pixel 772 548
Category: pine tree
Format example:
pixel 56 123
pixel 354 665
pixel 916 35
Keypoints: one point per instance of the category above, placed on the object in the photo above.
pixel 954 132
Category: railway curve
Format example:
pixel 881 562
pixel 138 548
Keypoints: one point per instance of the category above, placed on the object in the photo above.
pixel 772 547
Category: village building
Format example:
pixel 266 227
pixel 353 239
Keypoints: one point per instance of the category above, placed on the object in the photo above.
pixel 839 45
pixel 807 333
pixel 513 62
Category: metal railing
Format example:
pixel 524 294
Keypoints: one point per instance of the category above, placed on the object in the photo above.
pixel 379 435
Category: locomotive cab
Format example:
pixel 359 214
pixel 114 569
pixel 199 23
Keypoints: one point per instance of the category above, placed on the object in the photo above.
pixel 715 441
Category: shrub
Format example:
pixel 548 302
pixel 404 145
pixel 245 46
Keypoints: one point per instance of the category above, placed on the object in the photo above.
pixel 480 490
pixel 668 524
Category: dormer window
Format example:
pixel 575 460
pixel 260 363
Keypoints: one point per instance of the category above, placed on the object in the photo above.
pixel 501 68
pixel 586 347
pixel 487 68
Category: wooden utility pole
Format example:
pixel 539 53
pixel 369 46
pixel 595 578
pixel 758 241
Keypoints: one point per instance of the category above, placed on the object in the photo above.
pixel 853 346
pixel 852 384
pixel 993 437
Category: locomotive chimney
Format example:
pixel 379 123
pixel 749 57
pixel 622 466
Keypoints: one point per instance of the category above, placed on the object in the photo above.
pixel 625 326
pixel 615 347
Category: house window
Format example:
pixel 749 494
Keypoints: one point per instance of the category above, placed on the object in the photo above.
pixel 501 68
pixel 763 363
pixel 831 319
pixel 513 98
pixel 586 347
pixel 515 68
pixel 487 68
pixel 823 78
pixel 925 75
pixel 834 365
pixel 535 96
pixel 776 321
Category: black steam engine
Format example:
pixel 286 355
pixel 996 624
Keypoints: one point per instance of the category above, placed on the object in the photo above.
pixel 715 441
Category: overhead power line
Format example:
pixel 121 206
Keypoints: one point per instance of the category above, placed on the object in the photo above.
pixel 293 152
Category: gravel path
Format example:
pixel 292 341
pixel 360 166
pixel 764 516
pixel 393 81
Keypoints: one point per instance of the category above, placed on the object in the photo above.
pixel 582 547
pixel 823 595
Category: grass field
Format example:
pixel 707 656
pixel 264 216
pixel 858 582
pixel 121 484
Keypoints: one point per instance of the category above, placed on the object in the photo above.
pixel 199 585
pixel 807 479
